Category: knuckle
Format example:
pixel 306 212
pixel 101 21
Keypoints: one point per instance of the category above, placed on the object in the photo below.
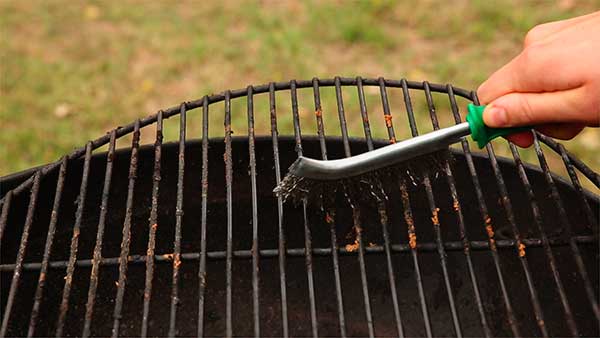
pixel 535 34
pixel 525 113
pixel 531 55
pixel 532 36
pixel 483 93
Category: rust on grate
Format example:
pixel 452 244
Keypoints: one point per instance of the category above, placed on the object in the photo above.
pixel 521 250
pixel 434 217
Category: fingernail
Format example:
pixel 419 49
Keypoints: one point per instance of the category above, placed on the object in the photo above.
pixel 496 116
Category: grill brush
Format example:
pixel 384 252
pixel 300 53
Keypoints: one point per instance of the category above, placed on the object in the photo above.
pixel 427 153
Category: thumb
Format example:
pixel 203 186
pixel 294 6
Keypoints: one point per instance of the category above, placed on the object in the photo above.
pixel 530 109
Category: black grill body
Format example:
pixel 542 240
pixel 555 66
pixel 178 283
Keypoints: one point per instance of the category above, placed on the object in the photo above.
pixel 188 239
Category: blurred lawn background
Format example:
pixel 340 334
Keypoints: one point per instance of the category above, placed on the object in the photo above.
pixel 71 70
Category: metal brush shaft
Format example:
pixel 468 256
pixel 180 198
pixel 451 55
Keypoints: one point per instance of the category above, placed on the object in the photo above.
pixel 381 157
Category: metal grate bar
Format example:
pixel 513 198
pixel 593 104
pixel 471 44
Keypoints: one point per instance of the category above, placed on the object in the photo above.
pixel 548 251
pixel 565 220
pixel 228 183
pixel 355 213
pixel 381 208
pixel 492 242
pixel 575 180
pixel 14 285
pixel 4 215
pixel 178 223
pixel 363 113
pixel 342 117
pixel 409 112
pixel 582 167
pixel 434 212
pixel 89 306
pixel 126 240
pixel 300 252
pixel 412 237
pixel 330 219
pixel 459 216
pixel 153 224
pixel 383 219
pixel 64 304
pixel 48 248
pixel 520 251
pixel 330 214
pixel 202 263
pixel 319 117
pixel 255 248
pixel 281 234
pixel 413 245
pixel 386 111
pixel 307 234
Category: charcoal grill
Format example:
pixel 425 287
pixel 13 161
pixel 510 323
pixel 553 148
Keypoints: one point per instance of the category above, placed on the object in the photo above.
pixel 186 238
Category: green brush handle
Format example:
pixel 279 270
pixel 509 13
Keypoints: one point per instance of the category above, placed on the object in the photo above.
pixel 483 134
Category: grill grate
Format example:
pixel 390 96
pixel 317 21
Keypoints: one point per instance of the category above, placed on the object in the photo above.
pixel 61 175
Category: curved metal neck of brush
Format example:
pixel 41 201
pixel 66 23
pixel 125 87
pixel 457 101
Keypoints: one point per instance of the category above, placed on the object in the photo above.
pixel 381 157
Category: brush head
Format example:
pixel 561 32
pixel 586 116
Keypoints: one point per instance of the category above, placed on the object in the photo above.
pixel 365 187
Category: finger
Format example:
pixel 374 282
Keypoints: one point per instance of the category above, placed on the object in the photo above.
pixel 531 109
pixel 523 139
pixel 545 30
pixel 561 131
pixel 499 83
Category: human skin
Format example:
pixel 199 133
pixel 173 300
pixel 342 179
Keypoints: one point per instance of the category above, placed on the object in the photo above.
pixel 553 84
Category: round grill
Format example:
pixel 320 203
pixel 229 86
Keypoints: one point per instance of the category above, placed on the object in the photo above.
pixel 186 238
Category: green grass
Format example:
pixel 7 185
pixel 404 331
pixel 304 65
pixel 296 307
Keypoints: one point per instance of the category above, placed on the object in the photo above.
pixel 71 70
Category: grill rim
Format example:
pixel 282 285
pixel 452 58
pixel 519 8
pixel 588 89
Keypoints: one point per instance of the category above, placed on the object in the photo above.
pixel 279 86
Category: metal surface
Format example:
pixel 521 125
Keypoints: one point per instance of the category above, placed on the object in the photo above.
pixel 489 230
pixel 186 238
pixel 281 235
pixel 379 158
pixel 14 285
pixel 178 223
pixel 153 225
pixel 64 305
pixel 91 298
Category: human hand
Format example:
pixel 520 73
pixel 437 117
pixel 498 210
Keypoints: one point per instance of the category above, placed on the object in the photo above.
pixel 553 84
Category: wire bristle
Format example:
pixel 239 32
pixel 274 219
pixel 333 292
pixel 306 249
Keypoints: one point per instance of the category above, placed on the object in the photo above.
pixel 364 188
